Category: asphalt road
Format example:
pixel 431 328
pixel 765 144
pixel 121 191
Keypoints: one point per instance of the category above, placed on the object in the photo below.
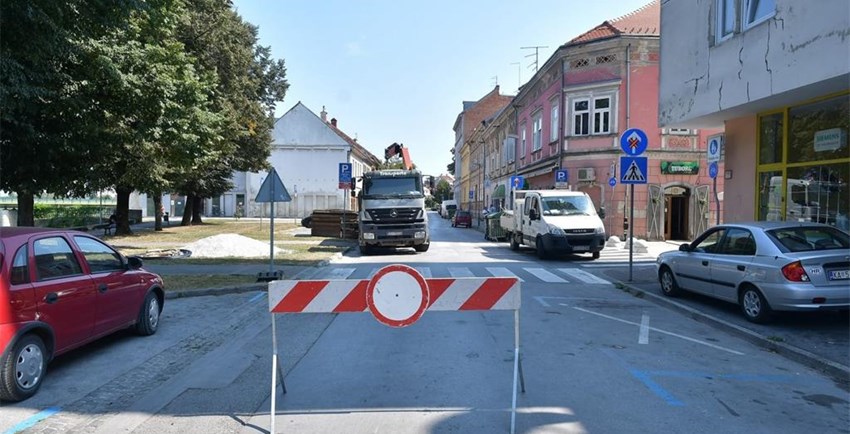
pixel 596 359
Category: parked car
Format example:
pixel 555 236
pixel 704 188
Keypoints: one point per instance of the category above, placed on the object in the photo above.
pixel 764 267
pixel 60 289
pixel 462 218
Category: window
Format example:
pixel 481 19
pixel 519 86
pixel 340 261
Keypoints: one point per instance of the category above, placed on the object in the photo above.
pixel 680 131
pixel 770 143
pixel 581 117
pixel 757 11
pixel 602 115
pixel 738 242
pixel 522 142
pixel 554 123
pixel 54 258
pixel 20 268
pixel 725 20
pixel 537 132
pixel 710 243
pixel 100 257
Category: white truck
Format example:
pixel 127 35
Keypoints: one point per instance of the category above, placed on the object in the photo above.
pixel 554 222
pixel 392 211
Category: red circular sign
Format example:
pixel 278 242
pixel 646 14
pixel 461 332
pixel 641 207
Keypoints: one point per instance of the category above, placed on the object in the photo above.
pixel 397 295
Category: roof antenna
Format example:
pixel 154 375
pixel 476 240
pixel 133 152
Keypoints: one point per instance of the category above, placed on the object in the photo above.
pixel 536 49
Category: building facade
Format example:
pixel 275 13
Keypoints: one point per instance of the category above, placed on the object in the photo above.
pixel 775 75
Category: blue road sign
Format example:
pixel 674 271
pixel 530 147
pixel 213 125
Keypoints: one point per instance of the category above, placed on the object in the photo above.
pixel 633 142
pixel 633 170
pixel 472 194
pixel 712 169
pixel 612 182
pixel 344 175
pixel 272 189
pixel 517 182
pixel 562 175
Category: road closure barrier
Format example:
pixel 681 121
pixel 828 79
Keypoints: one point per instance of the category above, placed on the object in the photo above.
pixel 397 296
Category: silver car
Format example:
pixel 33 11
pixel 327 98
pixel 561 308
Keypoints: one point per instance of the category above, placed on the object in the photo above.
pixel 764 267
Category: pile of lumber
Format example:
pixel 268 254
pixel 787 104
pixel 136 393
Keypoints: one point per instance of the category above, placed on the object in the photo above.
pixel 335 223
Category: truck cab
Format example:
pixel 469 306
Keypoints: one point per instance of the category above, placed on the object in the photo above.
pixel 392 211
pixel 554 222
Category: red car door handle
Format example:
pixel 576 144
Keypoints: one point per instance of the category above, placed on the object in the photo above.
pixel 51 297
pixel 101 287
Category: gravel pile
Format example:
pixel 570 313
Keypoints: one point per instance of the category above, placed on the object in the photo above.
pixel 231 245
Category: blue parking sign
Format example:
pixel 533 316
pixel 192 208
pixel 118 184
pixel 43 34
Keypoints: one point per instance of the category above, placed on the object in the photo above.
pixel 562 175
pixel 344 175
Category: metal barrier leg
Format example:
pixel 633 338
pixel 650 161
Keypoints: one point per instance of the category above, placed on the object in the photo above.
pixel 516 371
pixel 521 376
pixel 273 410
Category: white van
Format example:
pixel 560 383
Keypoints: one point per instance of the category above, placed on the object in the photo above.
pixel 446 206
pixel 554 222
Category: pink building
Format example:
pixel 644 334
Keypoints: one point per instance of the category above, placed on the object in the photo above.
pixel 571 115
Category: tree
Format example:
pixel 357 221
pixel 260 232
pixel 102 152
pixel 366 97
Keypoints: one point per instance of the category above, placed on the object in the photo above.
pixel 443 191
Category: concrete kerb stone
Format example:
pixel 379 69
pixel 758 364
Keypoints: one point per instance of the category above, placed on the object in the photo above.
pixel 838 371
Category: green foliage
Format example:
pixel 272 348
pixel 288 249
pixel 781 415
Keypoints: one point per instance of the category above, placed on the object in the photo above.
pixel 63 216
pixel 430 202
pixel 443 191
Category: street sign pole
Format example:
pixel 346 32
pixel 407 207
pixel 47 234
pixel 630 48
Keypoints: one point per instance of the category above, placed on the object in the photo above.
pixel 271 235
pixel 631 227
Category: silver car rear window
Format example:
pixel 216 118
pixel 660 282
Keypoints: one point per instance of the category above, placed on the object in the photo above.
pixel 807 239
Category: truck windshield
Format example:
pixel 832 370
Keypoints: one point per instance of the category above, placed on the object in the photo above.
pixel 392 186
pixel 567 205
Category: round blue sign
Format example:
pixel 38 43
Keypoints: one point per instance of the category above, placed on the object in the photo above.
pixel 612 182
pixel 633 141
pixel 712 169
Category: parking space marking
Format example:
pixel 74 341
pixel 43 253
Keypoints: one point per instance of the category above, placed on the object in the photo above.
pixel 257 297
pixel 643 336
pixel 32 420
pixel 697 341
pixel 545 275
pixel 503 272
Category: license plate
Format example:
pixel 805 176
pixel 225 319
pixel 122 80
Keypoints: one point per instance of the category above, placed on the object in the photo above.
pixel 581 248
pixel 394 234
pixel 839 274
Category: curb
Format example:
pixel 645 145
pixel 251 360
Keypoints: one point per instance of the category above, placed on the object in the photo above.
pixel 838 371
pixel 186 293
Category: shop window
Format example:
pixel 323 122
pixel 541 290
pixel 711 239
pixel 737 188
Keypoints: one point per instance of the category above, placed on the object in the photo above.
pixel 770 196
pixel 770 144
pixel 818 131
pixel 819 193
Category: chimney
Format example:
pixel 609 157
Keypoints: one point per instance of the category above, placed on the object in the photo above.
pixel 324 115
pixel 333 122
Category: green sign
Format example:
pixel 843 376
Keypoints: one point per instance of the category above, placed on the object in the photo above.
pixel 679 167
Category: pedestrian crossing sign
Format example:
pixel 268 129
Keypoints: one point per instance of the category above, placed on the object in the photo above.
pixel 633 170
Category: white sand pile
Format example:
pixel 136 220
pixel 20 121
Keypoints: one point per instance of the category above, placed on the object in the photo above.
pixel 231 245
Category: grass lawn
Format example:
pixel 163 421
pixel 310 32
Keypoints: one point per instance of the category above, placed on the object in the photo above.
pixel 181 282
pixel 181 235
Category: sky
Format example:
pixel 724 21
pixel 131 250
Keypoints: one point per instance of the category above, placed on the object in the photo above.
pixel 399 71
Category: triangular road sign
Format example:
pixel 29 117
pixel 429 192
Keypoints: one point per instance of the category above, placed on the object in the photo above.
pixel 273 189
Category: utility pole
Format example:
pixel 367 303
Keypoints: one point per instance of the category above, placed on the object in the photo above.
pixel 536 54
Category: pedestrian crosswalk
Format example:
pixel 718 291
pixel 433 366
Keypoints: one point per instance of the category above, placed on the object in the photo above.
pixel 614 255
pixel 525 272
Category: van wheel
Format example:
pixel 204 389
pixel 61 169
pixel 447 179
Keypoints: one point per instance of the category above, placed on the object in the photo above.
pixel 514 244
pixel 365 250
pixel 541 251
pixel 422 247
pixel 22 369
pixel 596 255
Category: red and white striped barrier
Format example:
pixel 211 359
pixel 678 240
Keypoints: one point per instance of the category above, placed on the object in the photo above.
pixel 396 296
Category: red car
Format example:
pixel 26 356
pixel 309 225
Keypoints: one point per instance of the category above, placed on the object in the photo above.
pixel 462 218
pixel 60 289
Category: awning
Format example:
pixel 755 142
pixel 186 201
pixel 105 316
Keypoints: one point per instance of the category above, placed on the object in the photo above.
pixel 499 192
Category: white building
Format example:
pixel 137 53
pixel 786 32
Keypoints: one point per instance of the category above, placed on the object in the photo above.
pixel 776 75
pixel 306 153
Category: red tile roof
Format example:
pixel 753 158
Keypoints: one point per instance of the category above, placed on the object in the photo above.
pixel 645 21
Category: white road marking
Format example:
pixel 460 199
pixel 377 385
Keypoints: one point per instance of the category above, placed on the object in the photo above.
pixel 582 275
pixel 545 275
pixel 718 347
pixel 643 264
pixel 643 336
pixel 502 272
pixel 340 273
pixel 460 272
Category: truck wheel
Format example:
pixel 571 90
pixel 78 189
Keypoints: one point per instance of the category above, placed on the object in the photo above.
pixel 422 247
pixel 365 250
pixel 541 251
pixel 514 244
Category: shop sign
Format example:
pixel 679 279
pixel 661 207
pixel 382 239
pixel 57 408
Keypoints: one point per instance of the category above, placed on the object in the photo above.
pixel 830 140
pixel 679 167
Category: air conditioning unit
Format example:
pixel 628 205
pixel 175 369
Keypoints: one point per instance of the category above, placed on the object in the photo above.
pixel 586 174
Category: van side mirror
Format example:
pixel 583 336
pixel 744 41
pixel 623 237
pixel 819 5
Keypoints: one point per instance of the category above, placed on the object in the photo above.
pixel 601 212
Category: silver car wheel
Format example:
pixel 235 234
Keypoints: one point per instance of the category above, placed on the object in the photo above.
pixel 153 313
pixel 752 304
pixel 666 282
pixel 29 367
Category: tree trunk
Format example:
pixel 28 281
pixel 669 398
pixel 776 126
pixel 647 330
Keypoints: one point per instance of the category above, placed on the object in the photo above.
pixel 187 212
pixel 26 209
pixel 157 206
pixel 197 206
pixel 122 210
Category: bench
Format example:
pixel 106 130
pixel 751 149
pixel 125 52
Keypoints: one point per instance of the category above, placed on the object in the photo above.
pixel 108 228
